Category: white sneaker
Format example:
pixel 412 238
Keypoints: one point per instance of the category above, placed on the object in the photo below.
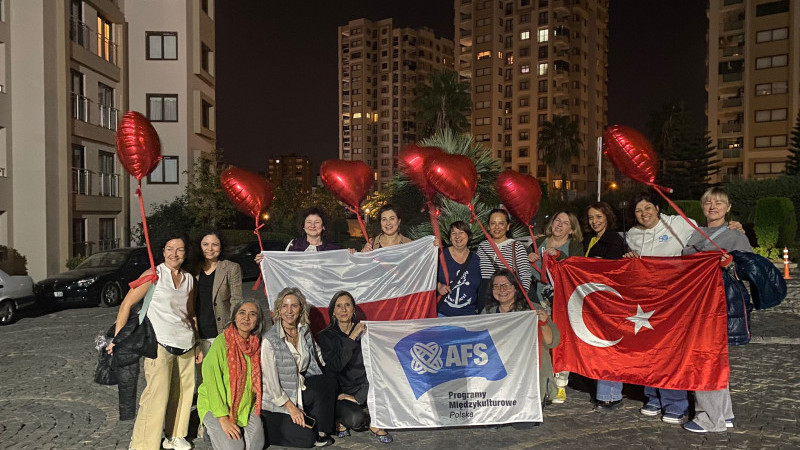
pixel 176 443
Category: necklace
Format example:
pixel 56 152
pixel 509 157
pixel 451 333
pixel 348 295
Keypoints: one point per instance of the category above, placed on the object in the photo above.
pixel 290 335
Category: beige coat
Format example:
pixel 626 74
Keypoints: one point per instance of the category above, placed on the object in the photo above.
pixel 226 292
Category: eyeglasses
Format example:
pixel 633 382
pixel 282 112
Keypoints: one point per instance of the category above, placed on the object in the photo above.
pixel 503 287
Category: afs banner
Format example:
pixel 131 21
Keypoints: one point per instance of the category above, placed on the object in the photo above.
pixel 392 283
pixel 657 322
pixel 477 370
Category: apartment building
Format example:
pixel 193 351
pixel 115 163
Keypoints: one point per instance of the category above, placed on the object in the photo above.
pixel 290 166
pixel 753 85
pixel 379 67
pixel 172 82
pixel 68 71
pixel 531 60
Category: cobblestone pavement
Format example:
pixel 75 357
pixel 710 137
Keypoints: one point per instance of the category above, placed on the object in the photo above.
pixel 48 399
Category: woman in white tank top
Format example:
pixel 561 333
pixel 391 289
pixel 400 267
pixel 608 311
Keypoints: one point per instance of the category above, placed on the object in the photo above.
pixel 166 400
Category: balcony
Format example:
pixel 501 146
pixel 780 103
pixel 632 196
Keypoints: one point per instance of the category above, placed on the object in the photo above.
pixel 732 51
pixel 560 75
pixel 732 127
pixel 733 25
pixel 109 184
pixel 731 77
pixel 732 177
pixel 733 102
pixel 86 182
pixel 108 117
pixel 731 2
pixel 732 153
pixel 80 181
pixel 80 107
pixel 94 42
pixel 3 172
pixel 108 244
pixel 560 6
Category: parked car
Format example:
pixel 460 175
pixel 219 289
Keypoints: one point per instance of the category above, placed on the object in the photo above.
pixel 101 278
pixel 16 292
pixel 243 254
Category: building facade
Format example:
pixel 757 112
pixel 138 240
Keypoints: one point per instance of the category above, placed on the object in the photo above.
pixel 379 67
pixel 531 60
pixel 753 85
pixel 290 166
pixel 68 71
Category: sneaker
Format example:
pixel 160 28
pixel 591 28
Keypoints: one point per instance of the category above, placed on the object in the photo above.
pixel 176 443
pixel 605 406
pixel 561 396
pixel 323 441
pixel 650 410
pixel 729 423
pixel 694 427
pixel 675 419
pixel 343 433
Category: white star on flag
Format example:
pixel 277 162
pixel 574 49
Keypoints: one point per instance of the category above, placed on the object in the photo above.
pixel 641 319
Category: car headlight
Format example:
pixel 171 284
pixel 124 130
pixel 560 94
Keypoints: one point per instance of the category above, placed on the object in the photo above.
pixel 86 282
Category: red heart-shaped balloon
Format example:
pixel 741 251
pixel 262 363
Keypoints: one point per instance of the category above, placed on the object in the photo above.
pixel 520 194
pixel 412 163
pixel 349 181
pixel 631 153
pixel 453 176
pixel 250 193
pixel 138 145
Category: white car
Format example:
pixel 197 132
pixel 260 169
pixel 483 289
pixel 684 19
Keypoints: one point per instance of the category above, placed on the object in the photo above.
pixel 15 292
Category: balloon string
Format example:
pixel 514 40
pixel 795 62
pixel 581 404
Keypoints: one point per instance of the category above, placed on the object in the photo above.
pixel 360 222
pixel 535 250
pixel 500 256
pixel 260 246
pixel 682 214
pixel 438 234
pixel 153 276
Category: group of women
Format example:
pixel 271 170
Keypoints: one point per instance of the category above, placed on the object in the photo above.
pixel 303 390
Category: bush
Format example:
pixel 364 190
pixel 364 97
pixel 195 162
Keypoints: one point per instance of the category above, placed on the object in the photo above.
pixel 12 262
pixel 74 261
pixel 692 208
pixel 235 237
pixel 775 222
pixel 772 254
pixel 744 195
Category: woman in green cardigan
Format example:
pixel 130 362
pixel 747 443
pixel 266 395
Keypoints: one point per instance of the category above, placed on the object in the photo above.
pixel 229 400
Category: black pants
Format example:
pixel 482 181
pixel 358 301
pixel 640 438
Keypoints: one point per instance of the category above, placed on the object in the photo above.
pixel 318 402
pixel 351 414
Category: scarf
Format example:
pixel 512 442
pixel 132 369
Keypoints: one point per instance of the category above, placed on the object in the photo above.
pixel 237 366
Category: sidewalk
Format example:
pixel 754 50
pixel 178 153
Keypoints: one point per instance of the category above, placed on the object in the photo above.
pixel 48 399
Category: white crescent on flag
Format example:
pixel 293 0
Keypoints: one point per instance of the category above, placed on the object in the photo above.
pixel 391 283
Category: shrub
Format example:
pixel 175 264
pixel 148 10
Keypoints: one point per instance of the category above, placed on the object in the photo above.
pixel 772 254
pixel 74 261
pixel 775 222
pixel 692 208
pixel 745 194
pixel 12 262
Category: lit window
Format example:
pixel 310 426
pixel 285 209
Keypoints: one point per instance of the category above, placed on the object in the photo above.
pixel 542 69
pixel 484 55
pixel 525 68
pixel 543 34
pixel 525 35
pixel 357 115
pixel 162 107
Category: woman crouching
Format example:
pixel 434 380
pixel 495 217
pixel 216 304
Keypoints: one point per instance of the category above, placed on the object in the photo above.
pixel 229 400
pixel 298 400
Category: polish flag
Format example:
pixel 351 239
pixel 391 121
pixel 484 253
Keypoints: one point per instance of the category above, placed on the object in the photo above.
pixel 392 283
pixel 657 322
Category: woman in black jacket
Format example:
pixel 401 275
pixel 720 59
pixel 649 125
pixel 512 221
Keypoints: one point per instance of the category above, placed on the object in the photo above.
pixel 340 343
pixel 602 241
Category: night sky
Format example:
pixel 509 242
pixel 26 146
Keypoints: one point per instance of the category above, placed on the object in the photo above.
pixel 277 67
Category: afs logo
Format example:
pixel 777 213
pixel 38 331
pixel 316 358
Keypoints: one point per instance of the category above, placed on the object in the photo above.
pixel 440 354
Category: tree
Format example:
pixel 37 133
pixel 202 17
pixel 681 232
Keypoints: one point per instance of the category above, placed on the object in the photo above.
pixel 793 161
pixel 558 143
pixel 443 102
pixel 687 154
pixel 206 202
pixel 289 197
pixel 167 217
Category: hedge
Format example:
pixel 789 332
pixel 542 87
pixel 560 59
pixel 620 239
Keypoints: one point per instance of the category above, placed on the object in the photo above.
pixel 692 208
pixel 775 222
pixel 744 195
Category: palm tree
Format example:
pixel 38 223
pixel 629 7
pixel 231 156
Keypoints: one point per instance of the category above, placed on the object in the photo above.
pixel 559 142
pixel 443 102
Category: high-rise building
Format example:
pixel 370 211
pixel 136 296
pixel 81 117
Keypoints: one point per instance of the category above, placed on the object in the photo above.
pixel 531 60
pixel 172 81
pixel 68 70
pixel 753 85
pixel 290 166
pixel 379 67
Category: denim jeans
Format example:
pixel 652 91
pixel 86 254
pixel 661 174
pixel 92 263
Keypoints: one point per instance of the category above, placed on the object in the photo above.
pixel 608 391
pixel 669 400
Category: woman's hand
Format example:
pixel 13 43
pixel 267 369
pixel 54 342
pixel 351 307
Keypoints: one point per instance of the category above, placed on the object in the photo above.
pixel 258 258
pixel 231 429
pixel 542 315
pixel 352 251
pixel 533 257
pixel 552 252
pixel 358 330
pixel 631 254
pixel 442 288
pixel 110 348
pixel 736 226
pixel 347 397
pixel 296 413
pixel 198 356
pixel 367 247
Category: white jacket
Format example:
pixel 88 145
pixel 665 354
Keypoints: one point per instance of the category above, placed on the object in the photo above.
pixel 667 238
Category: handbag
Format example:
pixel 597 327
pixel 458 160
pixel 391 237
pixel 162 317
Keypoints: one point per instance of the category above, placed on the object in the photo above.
pixel 137 335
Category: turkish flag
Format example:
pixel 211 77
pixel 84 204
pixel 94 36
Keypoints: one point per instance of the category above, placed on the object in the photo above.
pixel 657 322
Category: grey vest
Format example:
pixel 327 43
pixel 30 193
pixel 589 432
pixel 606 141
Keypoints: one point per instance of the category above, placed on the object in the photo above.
pixel 288 373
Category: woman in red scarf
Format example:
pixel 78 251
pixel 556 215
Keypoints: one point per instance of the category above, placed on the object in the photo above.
pixel 229 400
